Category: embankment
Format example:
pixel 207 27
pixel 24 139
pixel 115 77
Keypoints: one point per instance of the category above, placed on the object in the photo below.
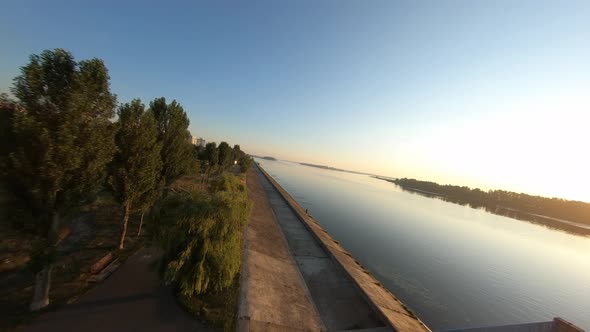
pixel 390 311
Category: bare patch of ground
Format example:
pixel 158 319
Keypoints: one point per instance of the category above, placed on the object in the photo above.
pixel 89 236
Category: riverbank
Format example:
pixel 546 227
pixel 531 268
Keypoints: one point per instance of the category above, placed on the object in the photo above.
pixel 455 266
pixel 356 284
pixel 273 294
pixel 493 207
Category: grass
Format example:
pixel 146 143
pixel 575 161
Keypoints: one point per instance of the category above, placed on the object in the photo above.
pixel 71 270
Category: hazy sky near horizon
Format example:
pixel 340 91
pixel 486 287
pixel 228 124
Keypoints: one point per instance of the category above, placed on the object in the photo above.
pixel 494 94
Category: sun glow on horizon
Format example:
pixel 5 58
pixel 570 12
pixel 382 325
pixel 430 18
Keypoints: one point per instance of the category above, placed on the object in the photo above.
pixel 532 145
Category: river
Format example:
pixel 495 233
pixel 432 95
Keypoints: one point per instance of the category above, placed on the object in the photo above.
pixel 454 266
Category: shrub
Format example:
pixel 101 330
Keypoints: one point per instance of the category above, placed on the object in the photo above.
pixel 201 235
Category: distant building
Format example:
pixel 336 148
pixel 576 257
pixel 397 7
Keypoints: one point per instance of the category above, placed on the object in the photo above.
pixel 193 140
pixel 201 142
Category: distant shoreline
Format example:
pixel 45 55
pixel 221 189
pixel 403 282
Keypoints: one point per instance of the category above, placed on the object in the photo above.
pixel 333 168
pixel 265 157
pixel 518 214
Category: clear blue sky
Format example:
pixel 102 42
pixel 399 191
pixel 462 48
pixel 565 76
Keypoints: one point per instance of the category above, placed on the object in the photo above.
pixel 493 94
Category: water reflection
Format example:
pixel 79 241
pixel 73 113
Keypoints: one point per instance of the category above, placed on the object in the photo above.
pixel 453 265
pixel 555 224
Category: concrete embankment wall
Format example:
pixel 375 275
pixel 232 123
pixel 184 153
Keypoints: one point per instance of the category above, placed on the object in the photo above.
pixel 391 310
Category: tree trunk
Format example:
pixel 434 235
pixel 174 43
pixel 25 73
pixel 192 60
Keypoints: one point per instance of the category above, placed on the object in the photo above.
pixel 127 206
pixel 43 278
pixel 42 285
pixel 140 224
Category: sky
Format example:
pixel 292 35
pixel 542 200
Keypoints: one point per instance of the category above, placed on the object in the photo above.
pixel 489 94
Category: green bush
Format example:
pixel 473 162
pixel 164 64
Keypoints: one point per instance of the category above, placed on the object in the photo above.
pixel 201 235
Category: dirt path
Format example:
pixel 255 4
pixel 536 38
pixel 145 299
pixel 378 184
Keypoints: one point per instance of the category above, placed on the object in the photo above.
pixel 132 299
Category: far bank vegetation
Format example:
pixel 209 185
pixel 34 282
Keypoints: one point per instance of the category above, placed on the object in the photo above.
pixel 502 201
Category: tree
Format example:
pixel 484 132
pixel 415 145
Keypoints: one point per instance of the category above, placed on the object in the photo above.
pixel 177 152
pixel 212 156
pixel 8 110
pixel 63 142
pixel 201 236
pixel 225 155
pixel 136 168
pixel 245 163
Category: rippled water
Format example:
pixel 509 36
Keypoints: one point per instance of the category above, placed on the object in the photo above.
pixel 454 266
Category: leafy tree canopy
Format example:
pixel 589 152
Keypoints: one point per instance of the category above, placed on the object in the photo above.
pixel 225 154
pixel 177 152
pixel 63 140
pixel 136 168
pixel 137 165
pixel 211 154
pixel 63 136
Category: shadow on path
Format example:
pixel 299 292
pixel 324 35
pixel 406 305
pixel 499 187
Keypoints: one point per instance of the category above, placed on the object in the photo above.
pixel 132 299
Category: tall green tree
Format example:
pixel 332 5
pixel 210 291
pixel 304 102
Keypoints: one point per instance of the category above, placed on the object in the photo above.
pixel 212 157
pixel 245 163
pixel 136 168
pixel 177 151
pixel 63 142
pixel 225 156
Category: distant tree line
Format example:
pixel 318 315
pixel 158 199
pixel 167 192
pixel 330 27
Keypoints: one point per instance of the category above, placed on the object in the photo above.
pixel 493 200
pixel 218 159
pixel 61 144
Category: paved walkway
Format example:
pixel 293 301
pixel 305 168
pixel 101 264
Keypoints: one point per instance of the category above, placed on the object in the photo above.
pixel 273 295
pixel 132 299
pixel 340 305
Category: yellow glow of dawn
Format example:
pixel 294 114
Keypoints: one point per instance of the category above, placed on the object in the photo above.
pixel 539 148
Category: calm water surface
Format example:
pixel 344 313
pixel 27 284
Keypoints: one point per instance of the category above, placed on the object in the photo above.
pixel 453 265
